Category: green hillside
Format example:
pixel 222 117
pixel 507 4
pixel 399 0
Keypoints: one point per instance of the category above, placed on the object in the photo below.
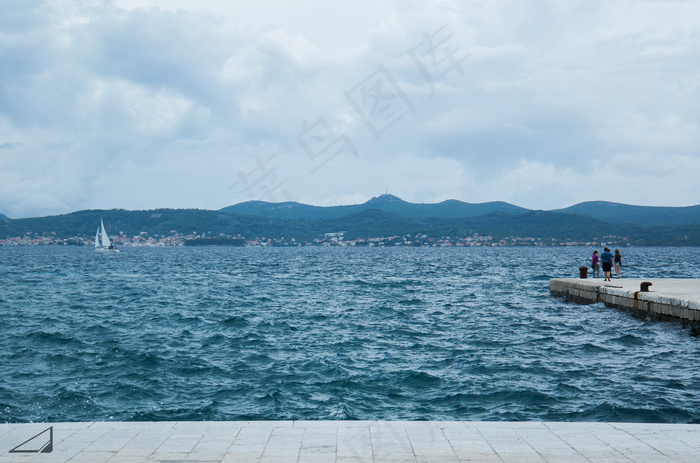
pixel 385 203
pixel 155 222
pixel 640 215
pixel 365 221
pixel 647 216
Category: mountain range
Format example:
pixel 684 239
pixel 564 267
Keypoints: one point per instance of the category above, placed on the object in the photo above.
pixel 640 215
pixel 383 216
pixel 386 203
pixel 601 210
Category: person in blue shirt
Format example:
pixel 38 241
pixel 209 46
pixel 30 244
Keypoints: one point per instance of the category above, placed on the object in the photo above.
pixel 606 260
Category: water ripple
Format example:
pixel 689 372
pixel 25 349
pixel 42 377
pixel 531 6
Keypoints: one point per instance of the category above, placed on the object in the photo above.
pixel 313 333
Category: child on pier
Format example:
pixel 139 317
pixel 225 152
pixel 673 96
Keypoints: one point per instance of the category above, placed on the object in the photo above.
pixel 595 265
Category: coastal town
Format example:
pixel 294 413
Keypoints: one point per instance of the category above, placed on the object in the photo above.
pixel 329 239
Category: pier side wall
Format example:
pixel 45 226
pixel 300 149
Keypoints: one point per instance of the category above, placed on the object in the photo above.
pixel 675 298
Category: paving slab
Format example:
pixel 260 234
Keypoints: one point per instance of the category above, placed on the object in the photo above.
pixel 352 442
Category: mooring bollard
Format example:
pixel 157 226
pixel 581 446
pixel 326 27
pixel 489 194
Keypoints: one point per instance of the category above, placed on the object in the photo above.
pixel 644 287
pixel 583 271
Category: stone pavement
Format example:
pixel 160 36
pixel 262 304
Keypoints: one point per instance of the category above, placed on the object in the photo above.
pixel 349 441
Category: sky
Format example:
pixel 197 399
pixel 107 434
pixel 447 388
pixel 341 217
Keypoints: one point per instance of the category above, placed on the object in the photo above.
pixel 145 104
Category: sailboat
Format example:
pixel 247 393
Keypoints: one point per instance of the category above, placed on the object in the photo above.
pixel 102 242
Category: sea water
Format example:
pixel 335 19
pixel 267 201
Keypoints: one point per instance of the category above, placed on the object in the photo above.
pixel 334 333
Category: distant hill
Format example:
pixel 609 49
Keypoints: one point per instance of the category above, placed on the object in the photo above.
pixel 386 203
pixel 4 217
pixel 640 215
pixel 501 225
pixel 156 222
pixel 367 223
pixel 647 216
pixel 373 222
pixel 286 210
pixel 382 216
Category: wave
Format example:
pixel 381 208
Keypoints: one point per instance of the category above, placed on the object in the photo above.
pixel 294 334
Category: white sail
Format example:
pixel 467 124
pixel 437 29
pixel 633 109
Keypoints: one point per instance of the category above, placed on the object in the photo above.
pixel 102 243
pixel 105 238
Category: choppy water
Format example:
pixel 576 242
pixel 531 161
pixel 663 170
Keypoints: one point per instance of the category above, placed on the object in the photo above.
pixel 333 333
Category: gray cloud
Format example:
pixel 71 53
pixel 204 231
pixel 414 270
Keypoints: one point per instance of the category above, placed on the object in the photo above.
pixel 110 104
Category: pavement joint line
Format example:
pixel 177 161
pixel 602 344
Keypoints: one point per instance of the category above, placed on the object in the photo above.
pixel 564 440
pixel 493 449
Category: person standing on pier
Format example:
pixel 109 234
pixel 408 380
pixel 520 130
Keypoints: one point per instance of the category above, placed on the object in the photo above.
pixel 606 259
pixel 595 265
pixel 618 262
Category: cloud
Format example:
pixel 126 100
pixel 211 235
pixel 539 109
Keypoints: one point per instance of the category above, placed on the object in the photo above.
pixel 166 103
pixel 412 178
pixel 632 178
pixel 9 145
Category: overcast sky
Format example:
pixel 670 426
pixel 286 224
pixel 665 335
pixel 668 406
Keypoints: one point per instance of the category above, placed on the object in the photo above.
pixel 143 104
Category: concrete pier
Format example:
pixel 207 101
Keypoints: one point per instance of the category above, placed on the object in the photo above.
pixel 351 442
pixel 674 298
